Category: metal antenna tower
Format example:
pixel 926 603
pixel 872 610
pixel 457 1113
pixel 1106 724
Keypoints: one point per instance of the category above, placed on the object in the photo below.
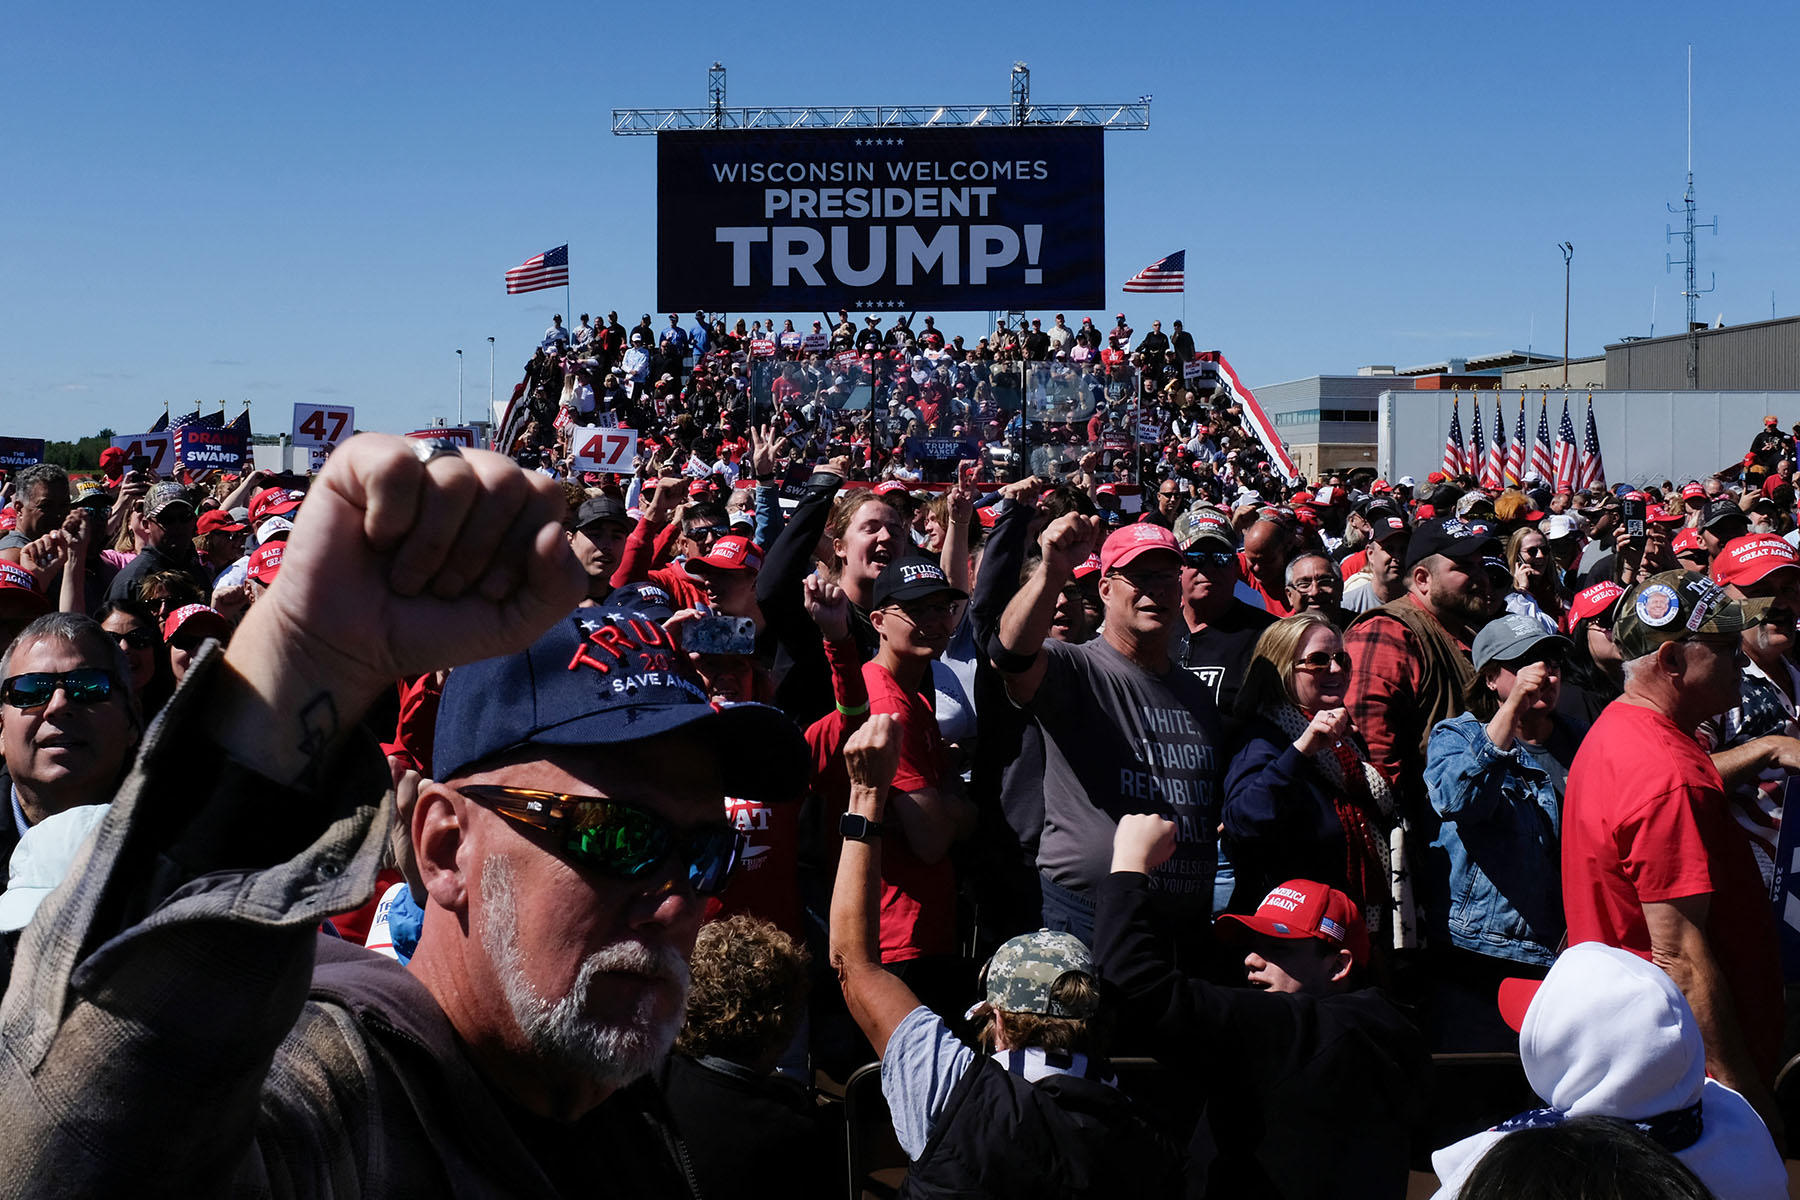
pixel 1690 262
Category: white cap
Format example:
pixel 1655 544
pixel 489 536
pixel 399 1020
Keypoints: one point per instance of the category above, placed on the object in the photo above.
pixel 41 860
pixel 1406 481
pixel 274 527
pixel 1558 525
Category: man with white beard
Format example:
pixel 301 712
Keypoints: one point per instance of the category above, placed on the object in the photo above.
pixel 171 1003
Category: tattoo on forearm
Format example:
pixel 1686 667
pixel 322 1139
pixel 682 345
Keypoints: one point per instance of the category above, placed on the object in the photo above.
pixel 318 726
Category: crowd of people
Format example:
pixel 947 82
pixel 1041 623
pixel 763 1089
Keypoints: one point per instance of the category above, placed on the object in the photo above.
pixel 904 403
pixel 454 819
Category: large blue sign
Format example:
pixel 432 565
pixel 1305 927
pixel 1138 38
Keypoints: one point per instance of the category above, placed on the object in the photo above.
pixel 943 219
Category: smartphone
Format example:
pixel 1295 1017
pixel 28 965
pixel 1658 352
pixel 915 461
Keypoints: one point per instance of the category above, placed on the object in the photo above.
pixel 141 463
pixel 1634 509
pixel 719 634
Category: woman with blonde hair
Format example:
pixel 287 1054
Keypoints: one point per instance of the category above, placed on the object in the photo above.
pixel 1302 800
pixel 1535 592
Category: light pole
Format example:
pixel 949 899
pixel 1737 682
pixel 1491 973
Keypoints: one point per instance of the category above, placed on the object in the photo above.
pixel 1568 253
pixel 459 391
pixel 490 411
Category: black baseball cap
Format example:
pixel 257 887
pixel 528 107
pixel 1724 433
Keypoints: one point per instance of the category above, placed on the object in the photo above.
pixel 595 509
pixel 1458 538
pixel 1719 511
pixel 912 578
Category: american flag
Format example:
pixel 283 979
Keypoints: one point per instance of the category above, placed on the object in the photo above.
pixel 1568 454
pixel 547 270
pixel 1516 456
pixel 215 421
pixel 1453 444
pixel 1164 275
pixel 1473 464
pixel 241 422
pixel 1493 467
pixel 1543 459
pixel 1593 471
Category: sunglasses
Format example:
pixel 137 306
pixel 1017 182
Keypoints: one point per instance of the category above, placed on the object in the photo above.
pixel 1323 660
pixel 618 839
pixel 1200 560
pixel 84 685
pixel 710 533
pixel 135 639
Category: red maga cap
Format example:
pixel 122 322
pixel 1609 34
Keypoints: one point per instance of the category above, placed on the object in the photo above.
pixel 199 618
pixel 1301 908
pixel 18 587
pixel 1594 600
pixel 733 552
pixel 273 502
pixel 265 564
pixel 1748 560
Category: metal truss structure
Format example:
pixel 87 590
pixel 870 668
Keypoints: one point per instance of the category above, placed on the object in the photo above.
pixel 1020 110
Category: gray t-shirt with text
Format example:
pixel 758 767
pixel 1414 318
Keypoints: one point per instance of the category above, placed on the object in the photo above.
pixel 1120 740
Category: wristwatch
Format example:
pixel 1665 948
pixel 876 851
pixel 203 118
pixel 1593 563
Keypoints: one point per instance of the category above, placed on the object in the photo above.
pixel 857 828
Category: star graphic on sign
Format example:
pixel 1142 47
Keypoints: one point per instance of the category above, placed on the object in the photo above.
pixel 899 141
pixel 856 141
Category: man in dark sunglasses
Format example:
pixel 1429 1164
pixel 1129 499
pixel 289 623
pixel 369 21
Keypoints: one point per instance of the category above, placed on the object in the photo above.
pixel 566 844
pixel 1221 627
pixel 68 722
pixel 168 541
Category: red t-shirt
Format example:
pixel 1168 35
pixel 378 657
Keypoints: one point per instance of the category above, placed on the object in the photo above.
pixel 1275 604
pixel 918 899
pixel 1645 819
pixel 766 884
pixel 1353 563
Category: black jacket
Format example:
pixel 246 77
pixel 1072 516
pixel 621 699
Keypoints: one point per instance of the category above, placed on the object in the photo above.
pixel 1308 1097
pixel 1062 1137
pixel 752 1136
pixel 803 676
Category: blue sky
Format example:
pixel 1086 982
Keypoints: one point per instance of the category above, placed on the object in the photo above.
pixel 317 202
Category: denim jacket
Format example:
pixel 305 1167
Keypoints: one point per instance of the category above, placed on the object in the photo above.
pixel 1494 874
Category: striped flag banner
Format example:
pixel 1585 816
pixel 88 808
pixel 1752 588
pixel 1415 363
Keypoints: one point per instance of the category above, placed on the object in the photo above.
pixel 547 270
pixel 1568 453
pixel 1493 468
pixel 1543 459
pixel 1236 393
pixel 1454 455
pixel 1164 275
pixel 1477 460
pixel 1516 455
pixel 1593 470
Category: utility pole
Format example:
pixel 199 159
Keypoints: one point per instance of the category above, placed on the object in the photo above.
pixel 459 387
pixel 1568 253
pixel 490 412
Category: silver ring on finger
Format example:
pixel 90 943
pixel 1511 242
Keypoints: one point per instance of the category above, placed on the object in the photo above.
pixel 430 448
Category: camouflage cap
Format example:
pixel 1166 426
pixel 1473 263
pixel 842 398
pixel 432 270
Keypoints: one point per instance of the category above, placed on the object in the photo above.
pixel 1204 523
pixel 1672 607
pixel 1024 971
